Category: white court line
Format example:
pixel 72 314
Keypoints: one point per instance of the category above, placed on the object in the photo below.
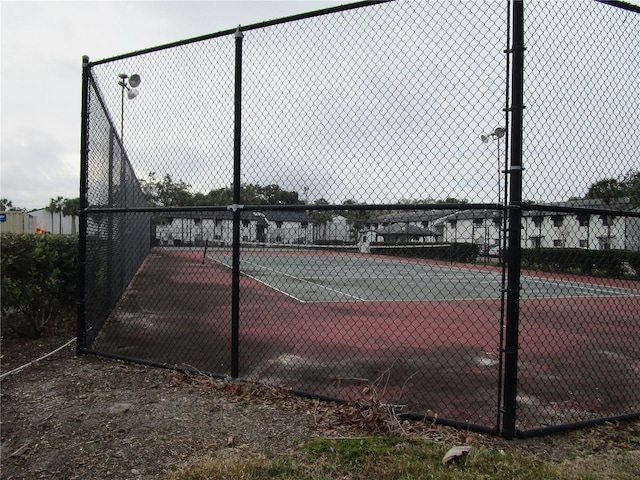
pixel 293 277
pixel 603 290
pixel 525 293
pixel 303 281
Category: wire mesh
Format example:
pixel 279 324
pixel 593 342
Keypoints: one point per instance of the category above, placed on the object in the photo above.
pixel 368 247
pixel 581 163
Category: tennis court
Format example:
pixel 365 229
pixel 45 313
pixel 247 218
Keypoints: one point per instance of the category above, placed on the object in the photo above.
pixel 426 334
pixel 322 275
pixel 430 330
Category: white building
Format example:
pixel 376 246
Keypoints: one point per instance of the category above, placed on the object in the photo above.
pixel 17 221
pixel 216 228
pixel 55 223
pixel 550 229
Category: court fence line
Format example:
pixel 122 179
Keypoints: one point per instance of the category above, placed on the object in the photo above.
pixel 348 129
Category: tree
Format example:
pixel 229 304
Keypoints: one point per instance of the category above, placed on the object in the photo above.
pixel 51 208
pixel 7 206
pixel 453 200
pixel 631 185
pixel 165 192
pixel 321 217
pixel 58 202
pixel 71 208
pixel 250 194
pixel 274 195
pixel 356 218
pixel 607 190
pixel 413 201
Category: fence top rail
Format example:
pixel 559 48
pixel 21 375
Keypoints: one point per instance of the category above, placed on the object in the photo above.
pixel 581 210
pixel 621 4
pixel 255 26
pixel 301 207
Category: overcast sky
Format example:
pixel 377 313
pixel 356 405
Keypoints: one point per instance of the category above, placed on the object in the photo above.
pixel 417 106
pixel 42 48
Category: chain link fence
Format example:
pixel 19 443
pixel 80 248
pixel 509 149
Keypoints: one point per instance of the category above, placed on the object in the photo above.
pixel 582 161
pixel 328 202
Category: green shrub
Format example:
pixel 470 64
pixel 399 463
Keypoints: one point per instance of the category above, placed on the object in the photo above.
pixel 634 262
pixel 454 252
pixel 39 274
pixel 605 262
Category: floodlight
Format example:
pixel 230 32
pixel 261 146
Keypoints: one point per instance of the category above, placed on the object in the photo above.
pixel 134 80
pixel 498 132
pixel 130 84
pixel 484 138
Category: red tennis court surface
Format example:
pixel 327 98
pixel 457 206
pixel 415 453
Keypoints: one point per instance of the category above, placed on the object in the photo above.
pixel 579 357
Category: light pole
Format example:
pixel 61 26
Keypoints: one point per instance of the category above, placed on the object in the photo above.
pixel 130 84
pixel 497 134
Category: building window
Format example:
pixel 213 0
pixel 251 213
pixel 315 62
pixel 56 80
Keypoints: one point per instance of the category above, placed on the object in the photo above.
pixel 453 223
pixel 535 242
pixel 583 220
pixel 557 243
pixel 304 225
pixel 478 221
pixel 537 221
pixel 557 220
pixel 584 244
pixel 245 223
pixel 278 224
pixel 607 221
pixel 245 238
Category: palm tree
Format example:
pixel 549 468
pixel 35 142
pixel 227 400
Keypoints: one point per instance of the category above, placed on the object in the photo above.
pixel 6 204
pixel 51 208
pixel 356 218
pixel 71 207
pixel 58 202
pixel 321 218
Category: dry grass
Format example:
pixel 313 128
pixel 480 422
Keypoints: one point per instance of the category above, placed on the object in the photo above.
pixel 365 439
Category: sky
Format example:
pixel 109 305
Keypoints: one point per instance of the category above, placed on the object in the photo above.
pixel 41 57
pixel 374 112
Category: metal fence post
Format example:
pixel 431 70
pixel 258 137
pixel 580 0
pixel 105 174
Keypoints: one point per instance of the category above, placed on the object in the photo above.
pixel 515 219
pixel 235 292
pixel 82 230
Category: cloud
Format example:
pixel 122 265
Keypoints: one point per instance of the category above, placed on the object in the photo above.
pixel 33 161
pixel 42 48
pixel 369 106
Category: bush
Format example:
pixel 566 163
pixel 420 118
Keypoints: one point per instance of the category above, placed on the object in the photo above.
pixel 634 262
pixel 454 252
pixel 608 262
pixel 39 274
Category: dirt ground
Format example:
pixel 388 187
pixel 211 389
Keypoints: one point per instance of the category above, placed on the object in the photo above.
pixel 97 418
